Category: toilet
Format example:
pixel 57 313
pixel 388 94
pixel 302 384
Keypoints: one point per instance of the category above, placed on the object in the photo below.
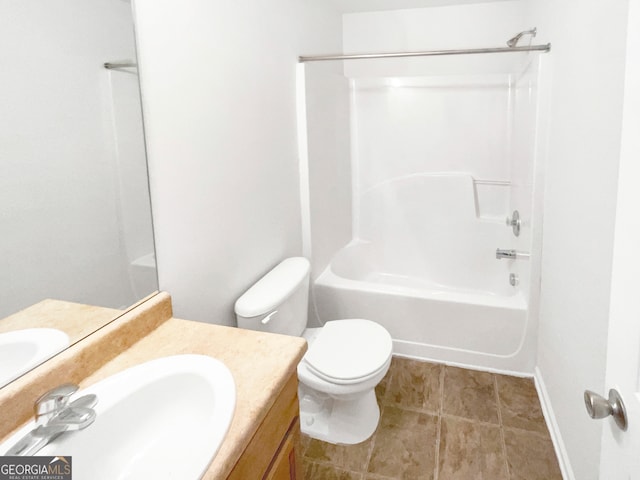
pixel 345 361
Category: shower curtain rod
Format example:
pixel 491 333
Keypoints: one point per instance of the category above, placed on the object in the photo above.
pixel 427 53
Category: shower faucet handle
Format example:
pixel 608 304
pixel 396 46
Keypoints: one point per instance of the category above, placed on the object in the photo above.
pixel 514 222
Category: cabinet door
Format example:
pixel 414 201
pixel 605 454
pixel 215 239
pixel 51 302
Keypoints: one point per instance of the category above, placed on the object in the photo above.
pixel 258 458
pixel 285 465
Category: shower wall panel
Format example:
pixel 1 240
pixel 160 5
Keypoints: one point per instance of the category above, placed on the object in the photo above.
pixel 524 96
pixel 409 126
pixel 328 147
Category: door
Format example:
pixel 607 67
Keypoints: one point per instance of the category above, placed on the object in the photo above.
pixel 620 456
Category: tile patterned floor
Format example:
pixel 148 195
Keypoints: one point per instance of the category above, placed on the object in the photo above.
pixel 444 423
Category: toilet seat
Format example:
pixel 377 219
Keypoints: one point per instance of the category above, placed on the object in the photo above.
pixel 349 351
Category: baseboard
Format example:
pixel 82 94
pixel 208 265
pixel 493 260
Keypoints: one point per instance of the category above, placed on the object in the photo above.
pixel 552 425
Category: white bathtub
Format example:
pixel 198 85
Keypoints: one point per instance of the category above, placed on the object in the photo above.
pixel 472 320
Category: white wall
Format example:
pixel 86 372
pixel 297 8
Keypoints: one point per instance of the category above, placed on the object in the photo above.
pixel 372 5
pixel 58 193
pixel 585 67
pixel 447 27
pixel 219 95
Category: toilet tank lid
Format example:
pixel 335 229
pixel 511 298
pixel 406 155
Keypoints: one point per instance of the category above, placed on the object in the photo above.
pixel 274 288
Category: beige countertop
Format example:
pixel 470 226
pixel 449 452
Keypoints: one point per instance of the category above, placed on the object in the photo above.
pixel 260 363
pixel 75 319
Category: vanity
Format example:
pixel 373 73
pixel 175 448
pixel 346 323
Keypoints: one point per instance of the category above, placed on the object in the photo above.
pixel 264 435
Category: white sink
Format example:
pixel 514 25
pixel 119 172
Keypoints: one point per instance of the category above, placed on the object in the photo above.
pixel 159 420
pixel 22 350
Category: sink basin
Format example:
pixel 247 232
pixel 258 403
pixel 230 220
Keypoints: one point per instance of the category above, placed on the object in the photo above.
pixel 22 350
pixel 162 419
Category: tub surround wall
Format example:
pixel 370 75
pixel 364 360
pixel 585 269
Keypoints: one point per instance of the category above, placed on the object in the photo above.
pixel 432 115
pixel 261 365
pixel 415 119
pixel 329 160
pixel 413 125
pixel 424 232
pixel 526 175
pixel 483 99
pixel 222 150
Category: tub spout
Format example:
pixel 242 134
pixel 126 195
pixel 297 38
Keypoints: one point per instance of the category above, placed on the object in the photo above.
pixel 511 254
pixel 500 253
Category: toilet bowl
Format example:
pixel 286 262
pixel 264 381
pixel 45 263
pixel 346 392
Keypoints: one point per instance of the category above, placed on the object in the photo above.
pixel 345 361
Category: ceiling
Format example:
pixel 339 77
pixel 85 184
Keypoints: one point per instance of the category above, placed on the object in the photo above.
pixel 351 6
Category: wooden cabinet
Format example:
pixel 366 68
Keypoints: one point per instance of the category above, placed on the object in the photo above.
pixel 273 452
pixel 285 463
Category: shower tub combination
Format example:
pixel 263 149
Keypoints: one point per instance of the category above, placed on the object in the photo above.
pixel 437 154
pixel 449 300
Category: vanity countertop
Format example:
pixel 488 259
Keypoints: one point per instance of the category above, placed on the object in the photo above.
pixel 261 364
pixel 75 319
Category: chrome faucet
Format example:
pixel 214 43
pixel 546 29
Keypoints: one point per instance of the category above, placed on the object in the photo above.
pixel 511 254
pixel 54 415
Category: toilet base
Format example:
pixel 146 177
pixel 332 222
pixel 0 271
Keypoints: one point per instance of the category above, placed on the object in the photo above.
pixel 339 421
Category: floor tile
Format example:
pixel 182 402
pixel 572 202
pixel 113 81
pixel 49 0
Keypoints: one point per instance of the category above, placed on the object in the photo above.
pixel 519 404
pixel 414 384
pixel 305 440
pixel 404 445
pixel 470 451
pixel 465 430
pixel 350 457
pixel 316 471
pixel 530 456
pixel 470 394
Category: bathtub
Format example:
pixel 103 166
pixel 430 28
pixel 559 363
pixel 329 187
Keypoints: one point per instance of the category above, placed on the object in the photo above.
pixel 458 317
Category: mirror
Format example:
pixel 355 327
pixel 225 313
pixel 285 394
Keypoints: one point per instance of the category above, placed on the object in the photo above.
pixel 74 199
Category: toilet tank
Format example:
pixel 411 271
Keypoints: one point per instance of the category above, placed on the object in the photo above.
pixel 277 303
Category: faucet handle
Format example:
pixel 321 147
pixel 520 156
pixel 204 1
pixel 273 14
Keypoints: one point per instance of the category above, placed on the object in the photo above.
pixel 53 401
